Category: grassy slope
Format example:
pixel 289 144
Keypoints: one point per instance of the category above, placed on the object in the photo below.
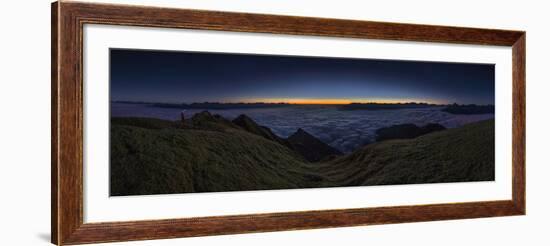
pixel 148 158
pixel 145 161
pixel 461 154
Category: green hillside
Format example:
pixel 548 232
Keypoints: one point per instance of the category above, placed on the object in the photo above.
pixel 171 160
pixel 454 155
pixel 157 157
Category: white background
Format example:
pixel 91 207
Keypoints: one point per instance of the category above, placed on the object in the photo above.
pixel 25 127
pixel 99 207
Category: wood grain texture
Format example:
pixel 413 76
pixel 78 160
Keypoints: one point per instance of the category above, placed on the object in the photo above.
pixel 147 230
pixel 518 123
pixel 68 19
pixel 244 22
pixel 54 125
pixel 68 124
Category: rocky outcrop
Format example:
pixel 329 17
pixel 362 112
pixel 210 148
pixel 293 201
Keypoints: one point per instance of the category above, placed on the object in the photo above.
pixel 311 148
pixel 303 143
pixel 206 121
pixel 251 126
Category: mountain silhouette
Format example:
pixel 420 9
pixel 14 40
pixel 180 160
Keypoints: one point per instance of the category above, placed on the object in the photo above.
pixel 206 121
pixel 303 143
pixel 310 147
pixel 251 126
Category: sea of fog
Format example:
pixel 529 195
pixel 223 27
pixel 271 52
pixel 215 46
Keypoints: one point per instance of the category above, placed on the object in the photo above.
pixel 344 130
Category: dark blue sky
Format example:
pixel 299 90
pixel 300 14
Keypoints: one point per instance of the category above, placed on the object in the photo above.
pixel 160 76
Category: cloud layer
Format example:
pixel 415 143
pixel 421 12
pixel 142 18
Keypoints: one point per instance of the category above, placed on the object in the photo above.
pixel 344 130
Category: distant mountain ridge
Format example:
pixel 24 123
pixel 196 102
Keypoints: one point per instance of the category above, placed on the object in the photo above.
pixel 467 109
pixel 385 106
pixel 219 106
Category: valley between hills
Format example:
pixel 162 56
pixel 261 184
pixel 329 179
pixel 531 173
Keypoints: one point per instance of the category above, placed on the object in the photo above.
pixel 208 153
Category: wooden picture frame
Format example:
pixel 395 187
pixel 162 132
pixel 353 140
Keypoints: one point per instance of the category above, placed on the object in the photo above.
pixel 68 19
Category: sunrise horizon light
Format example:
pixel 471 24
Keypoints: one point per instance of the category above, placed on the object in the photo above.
pixel 334 101
pixel 306 101
pixel 181 77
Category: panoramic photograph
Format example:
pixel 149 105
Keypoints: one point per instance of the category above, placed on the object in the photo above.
pixel 193 122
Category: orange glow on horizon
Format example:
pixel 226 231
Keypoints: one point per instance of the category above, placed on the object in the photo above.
pixel 334 101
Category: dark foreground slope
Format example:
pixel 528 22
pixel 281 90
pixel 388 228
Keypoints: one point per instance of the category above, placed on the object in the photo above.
pixel 454 155
pixel 159 157
pixel 173 160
